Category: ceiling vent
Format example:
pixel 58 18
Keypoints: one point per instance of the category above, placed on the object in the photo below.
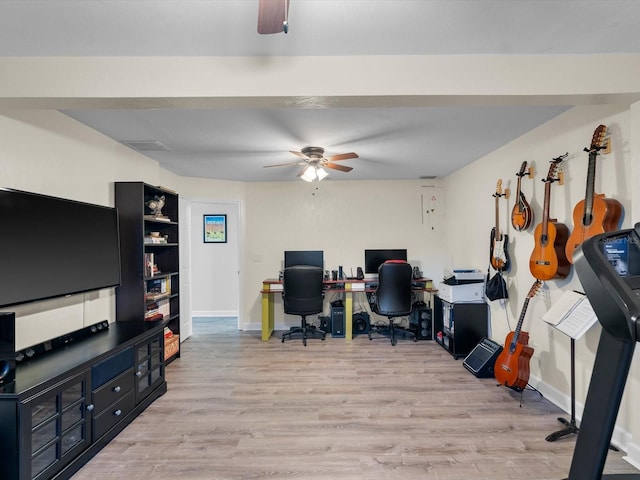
pixel 428 177
pixel 146 145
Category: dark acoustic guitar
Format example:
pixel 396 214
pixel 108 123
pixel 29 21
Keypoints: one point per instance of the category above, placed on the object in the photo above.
pixel 548 259
pixel 522 214
pixel 512 365
pixel 595 214
pixel 498 253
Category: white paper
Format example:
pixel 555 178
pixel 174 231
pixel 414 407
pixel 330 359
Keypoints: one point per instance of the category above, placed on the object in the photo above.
pixel 572 314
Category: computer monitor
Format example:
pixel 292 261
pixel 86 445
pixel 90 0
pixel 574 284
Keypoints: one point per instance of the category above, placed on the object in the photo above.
pixel 374 258
pixel 304 257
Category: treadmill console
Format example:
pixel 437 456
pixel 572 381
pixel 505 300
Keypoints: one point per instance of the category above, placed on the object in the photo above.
pixel 608 266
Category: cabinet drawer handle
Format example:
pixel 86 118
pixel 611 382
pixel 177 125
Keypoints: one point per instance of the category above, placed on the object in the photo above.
pixel 117 389
pixel 90 407
pixel 117 413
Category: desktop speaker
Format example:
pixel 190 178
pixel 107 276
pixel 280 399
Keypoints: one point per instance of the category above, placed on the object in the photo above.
pixel 482 358
pixel 360 323
pixel 420 321
pixel 7 347
pixel 337 321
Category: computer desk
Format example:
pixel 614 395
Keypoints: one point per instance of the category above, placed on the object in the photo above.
pixel 272 286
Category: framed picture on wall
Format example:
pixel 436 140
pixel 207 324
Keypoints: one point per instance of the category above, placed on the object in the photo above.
pixel 215 228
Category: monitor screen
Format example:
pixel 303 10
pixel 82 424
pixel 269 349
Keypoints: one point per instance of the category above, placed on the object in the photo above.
pixel 623 254
pixel 52 247
pixel 374 258
pixel 304 257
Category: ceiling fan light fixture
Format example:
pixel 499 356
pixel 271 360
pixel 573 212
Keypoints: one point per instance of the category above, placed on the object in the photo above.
pixel 322 173
pixel 309 174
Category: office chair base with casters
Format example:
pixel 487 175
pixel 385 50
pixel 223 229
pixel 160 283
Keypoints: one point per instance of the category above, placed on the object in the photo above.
pixel 305 331
pixel 392 331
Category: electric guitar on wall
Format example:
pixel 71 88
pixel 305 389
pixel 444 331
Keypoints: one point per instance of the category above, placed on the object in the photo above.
pixel 498 254
pixel 548 259
pixel 595 214
pixel 512 365
pixel 522 214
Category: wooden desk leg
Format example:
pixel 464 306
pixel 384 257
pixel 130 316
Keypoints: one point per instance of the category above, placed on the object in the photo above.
pixel 348 312
pixel 267 314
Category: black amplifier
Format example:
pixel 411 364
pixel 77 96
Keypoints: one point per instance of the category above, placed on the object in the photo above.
pixel 482 358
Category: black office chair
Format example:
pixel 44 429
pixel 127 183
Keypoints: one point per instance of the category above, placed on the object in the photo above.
pixel 302 295
pixel 394 297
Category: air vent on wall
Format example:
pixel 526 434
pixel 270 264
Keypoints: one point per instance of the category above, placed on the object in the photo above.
pixel 146 145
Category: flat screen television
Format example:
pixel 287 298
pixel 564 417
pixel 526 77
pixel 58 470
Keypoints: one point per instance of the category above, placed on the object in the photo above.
pixel 51 247
pixel 304 257
pixel 374 258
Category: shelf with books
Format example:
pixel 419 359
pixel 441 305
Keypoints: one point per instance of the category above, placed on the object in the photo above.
pixel 150 262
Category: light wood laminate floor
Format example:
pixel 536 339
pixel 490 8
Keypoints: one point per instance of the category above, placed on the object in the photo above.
pixel 239 408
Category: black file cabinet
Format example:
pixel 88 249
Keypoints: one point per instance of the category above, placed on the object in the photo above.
pixel 460 326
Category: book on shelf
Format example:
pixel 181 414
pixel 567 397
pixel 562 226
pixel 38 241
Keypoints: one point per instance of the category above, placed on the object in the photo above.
pixel 149 240
pixel 154 317
pixel 160 218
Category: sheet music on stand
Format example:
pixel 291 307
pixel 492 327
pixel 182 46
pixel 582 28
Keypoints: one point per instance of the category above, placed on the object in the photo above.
pixel 572 314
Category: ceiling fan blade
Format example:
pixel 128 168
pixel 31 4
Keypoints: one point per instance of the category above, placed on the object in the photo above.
pixel 284 164
pixel 342 156
pixel 299 154
pixel 336 166
pixel 272 15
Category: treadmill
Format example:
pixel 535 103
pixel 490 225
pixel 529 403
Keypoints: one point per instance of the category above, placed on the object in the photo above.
pixel 608 266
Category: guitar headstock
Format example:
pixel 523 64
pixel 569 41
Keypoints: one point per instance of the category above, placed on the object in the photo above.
pixel 499 188
pixel 598 141
pixel 523 169
pixel 552 175
pixel 535 288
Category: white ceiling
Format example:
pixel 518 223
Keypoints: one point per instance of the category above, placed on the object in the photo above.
pixel 235 143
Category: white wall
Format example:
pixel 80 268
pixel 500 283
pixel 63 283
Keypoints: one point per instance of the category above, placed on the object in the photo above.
pixel 47 152
pixel 615 173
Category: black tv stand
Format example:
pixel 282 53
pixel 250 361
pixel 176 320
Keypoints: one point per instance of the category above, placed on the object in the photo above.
pixel 64 407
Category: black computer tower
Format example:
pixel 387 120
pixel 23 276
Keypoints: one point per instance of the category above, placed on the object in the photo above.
pixel 337 322
pixel 421 321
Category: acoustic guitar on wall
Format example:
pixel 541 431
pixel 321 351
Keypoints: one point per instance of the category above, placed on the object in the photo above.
pixel 522 214
pixel 548 259
pixel 595 214
pixel 512 365
pixel 498 250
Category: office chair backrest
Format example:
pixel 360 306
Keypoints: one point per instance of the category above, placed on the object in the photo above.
pixel 394 288
pixel 302 286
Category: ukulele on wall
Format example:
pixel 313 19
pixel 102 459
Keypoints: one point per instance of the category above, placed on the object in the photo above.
pixel 498 254
pixel 512 365
pixel 548 259
pixel 595 214
pixel 522 214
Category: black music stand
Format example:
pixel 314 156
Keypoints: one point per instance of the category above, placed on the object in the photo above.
pixel 573 316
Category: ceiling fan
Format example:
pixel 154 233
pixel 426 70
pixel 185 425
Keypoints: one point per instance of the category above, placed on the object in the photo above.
pixel 273 16
pixel 314 163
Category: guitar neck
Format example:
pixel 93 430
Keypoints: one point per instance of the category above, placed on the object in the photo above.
pixel 545 210
pixel 516 333
pixel 498 236
pixel 591 179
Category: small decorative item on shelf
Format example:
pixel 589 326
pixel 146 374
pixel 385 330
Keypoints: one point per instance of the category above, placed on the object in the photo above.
pixel 155 205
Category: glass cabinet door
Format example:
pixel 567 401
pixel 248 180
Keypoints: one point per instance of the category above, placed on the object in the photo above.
pixel 57 426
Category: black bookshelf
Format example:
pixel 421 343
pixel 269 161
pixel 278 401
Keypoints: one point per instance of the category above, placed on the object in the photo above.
pixel 149 257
